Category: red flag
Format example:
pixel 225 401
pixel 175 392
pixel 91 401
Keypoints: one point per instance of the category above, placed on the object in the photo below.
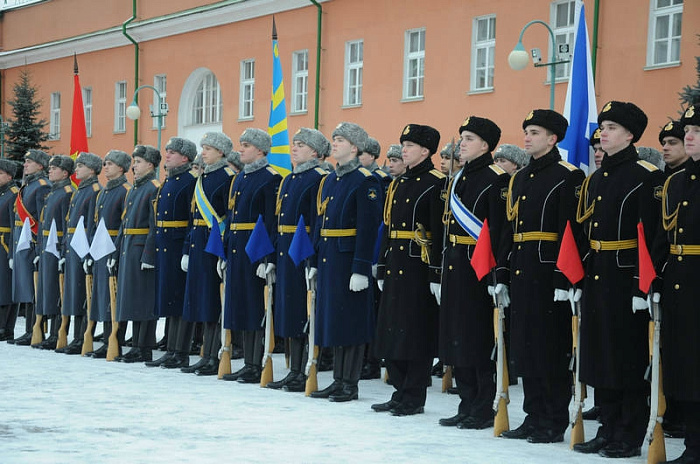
pixel 482 259
pixel 569 260
pixel 24 214
pixel 78 132
pixel 646 267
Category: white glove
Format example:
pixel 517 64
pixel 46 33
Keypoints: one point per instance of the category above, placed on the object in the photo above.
pixel 639 304
pixel 111 262
pixel 656 297
pixel 561 294
pixel 185 262
pixel 500 291
pixel 146 266
pixel 380 284
pixel 576 295
pixel 36 261
pixel 221 268
pixel 374 271
pixel 10 263
pixel 358 282
pixel 436 290
pixel 61 263
pixel 265 269
pixel 310 274
pixel 87 264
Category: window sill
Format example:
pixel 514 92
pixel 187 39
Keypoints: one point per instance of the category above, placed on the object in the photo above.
pixel 412 99
pixel 654 67
pixel 356 105
pixel 119 132
pixel 299 113
pixel 480 91
pixel 247 118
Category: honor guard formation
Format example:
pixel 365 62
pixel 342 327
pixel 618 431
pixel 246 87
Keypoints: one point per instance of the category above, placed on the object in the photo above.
pixel 507 264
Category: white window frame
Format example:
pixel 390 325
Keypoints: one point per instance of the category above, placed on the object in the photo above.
pixel 87 110
pixel 120 88
pixel 246 100
pixel 354 71
pixel 300 81
pixel 207 106
pixel 160 82
pixel 414 65
pixel 563 33
pixel 482 72
pixel 55 117
pixel 672 11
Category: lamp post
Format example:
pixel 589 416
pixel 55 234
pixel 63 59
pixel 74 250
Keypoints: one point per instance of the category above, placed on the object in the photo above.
pixel 518 58
pixel 134 112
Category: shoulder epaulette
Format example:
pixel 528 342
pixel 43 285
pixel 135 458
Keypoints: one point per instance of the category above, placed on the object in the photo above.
pixel 568 165
pixel 365 171
pixel 321 171
pixel 497 169
pixel 438 174
pixel 647 165
pixel 68 189
pixel 229 171
pixel 95 187
pixel 273 171
pixel 381 173
pixel 43 182
pixel 14 189
pixel 155 183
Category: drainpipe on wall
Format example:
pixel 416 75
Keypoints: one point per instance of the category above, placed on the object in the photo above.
pixel 318 61
pixel 136 64
pixel 594 52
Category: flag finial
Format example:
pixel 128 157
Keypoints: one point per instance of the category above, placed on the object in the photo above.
pixel 75 63
pixel 274 28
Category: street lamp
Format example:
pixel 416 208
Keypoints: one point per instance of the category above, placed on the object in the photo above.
pixel 134 112
pixel 518 58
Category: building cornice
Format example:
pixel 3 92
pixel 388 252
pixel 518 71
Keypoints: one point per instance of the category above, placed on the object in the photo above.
pixel 183 22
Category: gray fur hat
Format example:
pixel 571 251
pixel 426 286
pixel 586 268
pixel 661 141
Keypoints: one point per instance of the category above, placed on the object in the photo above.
pixel 217 140
pixel 258 138
pixel 394 152
pixel 90 161
pixel 451 150
pixel 120 158
pixel 198 160
pixel 8 166
pixel 235 158
pixel 353 134
pixel 148 153
pixel 38 156
pixel 512 153
pixel 314 139
pixel 373 148
pixel 183 146
pixel 651 155
pixel 64 162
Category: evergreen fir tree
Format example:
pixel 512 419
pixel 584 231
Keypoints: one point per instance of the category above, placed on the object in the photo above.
pixel 691 95
pixel 26 129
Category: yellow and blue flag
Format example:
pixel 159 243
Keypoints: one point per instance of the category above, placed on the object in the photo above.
pixel 277 126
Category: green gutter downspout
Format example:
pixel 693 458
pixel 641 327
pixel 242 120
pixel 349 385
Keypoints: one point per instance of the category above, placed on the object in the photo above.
pixel 594 53
pixel 136 64
pixel 318 62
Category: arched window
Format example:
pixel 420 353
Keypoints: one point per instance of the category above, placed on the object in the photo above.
pixel 207 105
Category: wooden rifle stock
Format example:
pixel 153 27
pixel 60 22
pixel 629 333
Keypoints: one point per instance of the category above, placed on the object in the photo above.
pixel 447 378
pixel 63 329
pixel 577 432
pixel 500 402
pixel 225 361
pixel 87 337
pixel 113 343
pixel 267 376
pixel 311 369
pixel 655 433
pixel 38 329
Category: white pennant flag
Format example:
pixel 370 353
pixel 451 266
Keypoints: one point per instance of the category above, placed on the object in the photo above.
pixel 79 242
pixel 102 243
pixel 52 241
pixel 25 237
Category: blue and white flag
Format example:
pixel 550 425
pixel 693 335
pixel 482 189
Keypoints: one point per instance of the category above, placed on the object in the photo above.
pixel 580 108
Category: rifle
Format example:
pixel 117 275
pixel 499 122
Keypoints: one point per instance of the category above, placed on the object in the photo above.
pixel 87 337
pixel 113 343
pixel 266 375
pixel 311 370
pixel 577 432
pixel 63 330
pixel 655 433
pixel 225 361
pixel 38 329
pixel 446 378
pixel 500 402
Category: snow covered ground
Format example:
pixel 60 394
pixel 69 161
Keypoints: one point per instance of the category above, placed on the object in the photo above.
pixel 57 408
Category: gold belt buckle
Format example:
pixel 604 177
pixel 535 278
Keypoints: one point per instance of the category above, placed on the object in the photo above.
pixel 596 245
pixel 519 237
pixel 680 249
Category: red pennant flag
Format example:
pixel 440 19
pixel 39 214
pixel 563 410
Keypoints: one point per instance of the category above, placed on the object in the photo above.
pixel 569 260
pixel 78 132
pixel 482 259
pixel 24 214
pixel 647 273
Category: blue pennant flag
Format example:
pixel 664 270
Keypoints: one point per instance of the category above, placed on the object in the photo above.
pixel 301 247
pixel 378 243
pixel 215 245
pixel 277 124
pixel 580 106
pixel 259 244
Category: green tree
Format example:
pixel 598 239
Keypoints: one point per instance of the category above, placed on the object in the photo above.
pixel 690 95
pixel 26 129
